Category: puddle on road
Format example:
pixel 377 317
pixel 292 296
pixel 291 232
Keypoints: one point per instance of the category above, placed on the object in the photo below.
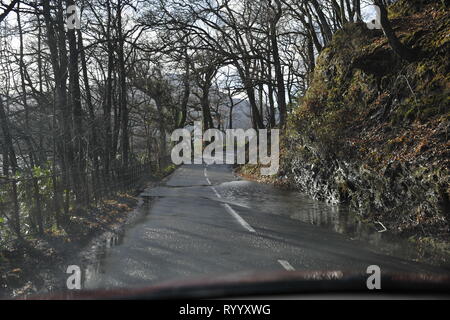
pixel 96 266
pixel 102 248
pixel 269 199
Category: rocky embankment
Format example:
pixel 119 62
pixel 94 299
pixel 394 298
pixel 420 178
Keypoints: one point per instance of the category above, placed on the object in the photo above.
pixel 372 129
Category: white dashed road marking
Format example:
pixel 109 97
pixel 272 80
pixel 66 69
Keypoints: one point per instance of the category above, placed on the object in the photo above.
pixel 215 191
pixel 227 206
pixel 238 218
pixel 286 265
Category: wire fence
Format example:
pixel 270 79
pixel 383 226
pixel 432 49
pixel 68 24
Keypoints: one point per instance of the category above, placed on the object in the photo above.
pixel 34 204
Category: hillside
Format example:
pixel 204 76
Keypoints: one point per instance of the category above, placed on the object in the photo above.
pixel 372 129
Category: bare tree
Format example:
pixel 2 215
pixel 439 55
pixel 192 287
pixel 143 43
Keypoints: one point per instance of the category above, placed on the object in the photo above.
pixel 399 48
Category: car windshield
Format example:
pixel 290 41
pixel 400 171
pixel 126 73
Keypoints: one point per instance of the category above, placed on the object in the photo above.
pixel 223 144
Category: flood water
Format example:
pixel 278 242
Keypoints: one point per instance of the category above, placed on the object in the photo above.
pixel 339 218
pixel 137 243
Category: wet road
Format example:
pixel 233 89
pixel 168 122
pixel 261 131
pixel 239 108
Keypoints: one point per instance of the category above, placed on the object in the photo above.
pixel 204 221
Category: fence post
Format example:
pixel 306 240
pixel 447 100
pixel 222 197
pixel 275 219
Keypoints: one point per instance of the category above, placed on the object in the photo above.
pixel 37 196
pixel 56 199
pixel 16 210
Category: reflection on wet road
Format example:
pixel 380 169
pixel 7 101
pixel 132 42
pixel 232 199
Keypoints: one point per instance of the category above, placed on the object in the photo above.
pixel 206 222
pixel 297 206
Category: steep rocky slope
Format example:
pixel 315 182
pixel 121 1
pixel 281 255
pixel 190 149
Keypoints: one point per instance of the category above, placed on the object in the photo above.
pixel 372 130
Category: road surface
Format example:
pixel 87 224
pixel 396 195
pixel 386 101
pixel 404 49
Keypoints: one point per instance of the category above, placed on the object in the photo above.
pixel 204 221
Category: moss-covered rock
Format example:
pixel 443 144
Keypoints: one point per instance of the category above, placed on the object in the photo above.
pixel 372 130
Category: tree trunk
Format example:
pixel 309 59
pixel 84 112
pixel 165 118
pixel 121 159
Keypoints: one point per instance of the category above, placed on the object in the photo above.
pixel 186 93
pixel 79 165
pixel 399 48
pixel 94 147
pixel 281 90
pixel 123 106
pixel 10 153
pixel 58 57
pixel 206 108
